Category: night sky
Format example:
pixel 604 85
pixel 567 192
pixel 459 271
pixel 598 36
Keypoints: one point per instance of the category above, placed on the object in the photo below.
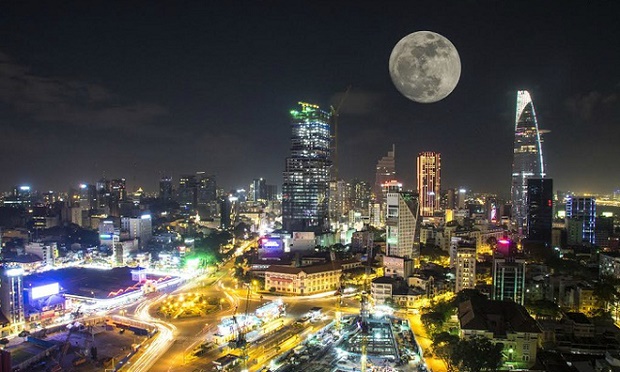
pixel 90 89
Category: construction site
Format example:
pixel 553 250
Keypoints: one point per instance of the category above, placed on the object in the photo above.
pixel 92 344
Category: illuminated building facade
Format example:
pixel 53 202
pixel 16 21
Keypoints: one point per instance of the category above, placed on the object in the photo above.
pixel 539 209
pixel 465 268
pixel 402 221
pixel 429 182
pixel 87 196
pixel 359 194
pixel 303 280
pixel 187 192
pixel 581 219
pixel 305 191
pixel 258 190
pixel 140 228
pixel 11 295
pixel 206 188
pixel 527 159
pixel 338 203
pixel 385 172
pixel 509 279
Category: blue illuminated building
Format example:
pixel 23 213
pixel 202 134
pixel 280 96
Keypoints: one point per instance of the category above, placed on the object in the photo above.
pixel 581 219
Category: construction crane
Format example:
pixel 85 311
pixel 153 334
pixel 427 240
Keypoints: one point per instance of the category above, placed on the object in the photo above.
pixel 66 344
pixel 335 113
pixel 241 342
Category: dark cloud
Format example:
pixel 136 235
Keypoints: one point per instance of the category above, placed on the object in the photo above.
pixel 593 107
pixel 68 101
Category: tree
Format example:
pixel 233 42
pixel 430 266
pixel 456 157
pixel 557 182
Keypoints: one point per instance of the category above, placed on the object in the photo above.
pixel 478 354
pixel 467 294
pixel 433 322
pixel 444 345
pixel 605 291
pixel 544 309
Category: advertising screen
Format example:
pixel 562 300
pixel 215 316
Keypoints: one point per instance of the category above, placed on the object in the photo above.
pixel 270 247
pixel 44 291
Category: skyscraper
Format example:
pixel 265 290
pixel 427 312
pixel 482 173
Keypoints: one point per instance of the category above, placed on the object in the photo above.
pixel 581 219
pixel 206 188
pixel 539 209
pixel 11 295
pixel 429 182
pixel 305 191
pixel 402 221
pixel 527 159
pixel 359 194
pixel 386 171
pixel 258 190
pixel 188 198
pixel 165 188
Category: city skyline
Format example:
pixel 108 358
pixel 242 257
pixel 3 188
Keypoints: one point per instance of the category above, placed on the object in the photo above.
pixel 125 93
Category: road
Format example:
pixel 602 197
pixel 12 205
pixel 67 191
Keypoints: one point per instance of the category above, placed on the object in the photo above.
pixel 435 364
pixel 174 346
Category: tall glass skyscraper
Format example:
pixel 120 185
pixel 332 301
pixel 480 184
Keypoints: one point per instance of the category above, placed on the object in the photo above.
pixel 528 157
pixel 306 174
pixel 429 182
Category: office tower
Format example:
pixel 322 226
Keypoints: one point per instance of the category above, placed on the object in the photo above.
pixel 462 198
pixel 451 201
pixel 20 195
pixel 118 189
pixel 359 195
pixel 429 182
pixel 271 192
pixel 539 209
pixel 604 229
pixel 165 188
pixel 140 228
pixel 581 219
pixel 258 190
pixel 117 195
pixel 388 187
pixel 87 197
pixel 228 211
pixel 528 157
pixel 206 188
pixel 337 202
pixel 465 267
pixel 385 172
pixel 509 279
pixel 188 196
pixel 307 170
pixel 11 295
pixel 402 221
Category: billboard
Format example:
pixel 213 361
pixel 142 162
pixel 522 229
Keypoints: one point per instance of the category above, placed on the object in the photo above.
pixel 270 247
pixel 303 236
pixel 44 291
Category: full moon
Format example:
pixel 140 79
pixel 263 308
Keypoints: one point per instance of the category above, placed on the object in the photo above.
pixel 425 67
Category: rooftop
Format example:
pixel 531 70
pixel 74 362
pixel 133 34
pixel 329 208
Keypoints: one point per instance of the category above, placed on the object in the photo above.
pixel 499 317
pixel 312 269
pixel 87 282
